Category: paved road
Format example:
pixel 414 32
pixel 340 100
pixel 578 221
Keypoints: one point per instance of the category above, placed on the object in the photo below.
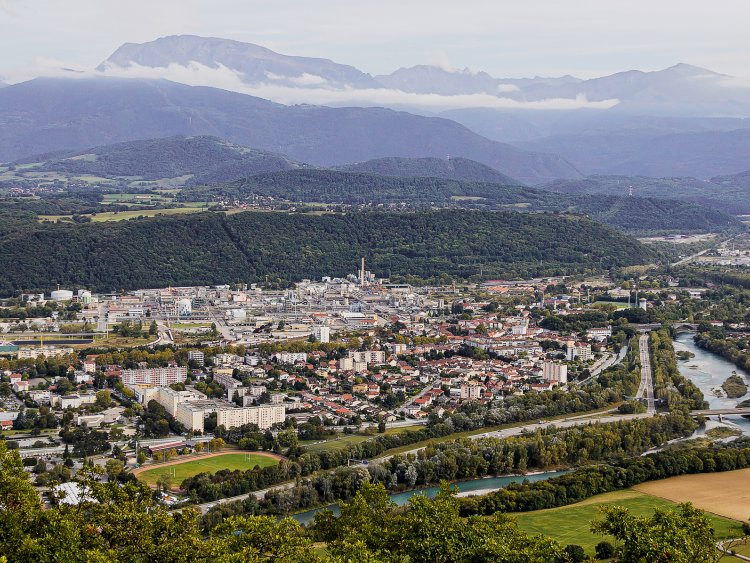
pixel 578 420
pixel 606 364
pixel 646 388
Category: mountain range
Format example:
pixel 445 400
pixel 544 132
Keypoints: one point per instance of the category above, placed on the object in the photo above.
pixel 683 121
pixel 49 114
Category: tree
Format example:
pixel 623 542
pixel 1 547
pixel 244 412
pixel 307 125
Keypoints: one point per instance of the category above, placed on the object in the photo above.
pixel 217 444
pixel 153 329
pixel 141 457
pixel 114 468
pixel 103 398
pixel 574 553
pixel 199 447
pixel 381 426
pixel 684 535
pixel 164 482
pixel 604 550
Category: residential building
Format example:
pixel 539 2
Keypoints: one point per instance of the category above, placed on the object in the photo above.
pixel 264 416
pixel 555 372
pixel 161 377
pixel 322 333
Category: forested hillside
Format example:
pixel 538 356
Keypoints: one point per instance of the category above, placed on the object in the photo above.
pixel 448 168
pixel 211 248
pixel 725 193
pixel 205 160
pixel 329 186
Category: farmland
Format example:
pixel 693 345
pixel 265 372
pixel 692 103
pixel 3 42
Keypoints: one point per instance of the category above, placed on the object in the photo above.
pixel 571 524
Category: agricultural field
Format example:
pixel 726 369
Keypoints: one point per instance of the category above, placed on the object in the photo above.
pixel 124 215
pixel 571 524
pixel 725 494
pixel 180 470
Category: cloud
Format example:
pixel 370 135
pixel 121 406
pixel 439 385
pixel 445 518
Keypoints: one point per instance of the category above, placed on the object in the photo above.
pixel 196 74
pixel 504 88
pixel 304 79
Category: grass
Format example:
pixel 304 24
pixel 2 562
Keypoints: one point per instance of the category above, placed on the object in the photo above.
pixel 124 215
pixel 182 471
pixel 571 524
pixel 616 304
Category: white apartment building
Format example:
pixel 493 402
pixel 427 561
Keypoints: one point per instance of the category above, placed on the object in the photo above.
pixel 264 416
pixel 376 357
pixel 198 357
pixel 161 377
pixel 291 357
pixel 554 372
pixel 322 333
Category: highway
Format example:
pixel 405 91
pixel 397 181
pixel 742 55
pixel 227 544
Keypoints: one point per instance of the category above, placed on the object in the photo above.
pixel 646 388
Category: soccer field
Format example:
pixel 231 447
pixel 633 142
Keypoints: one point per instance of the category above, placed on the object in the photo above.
pixel 180 471
pixel 571 524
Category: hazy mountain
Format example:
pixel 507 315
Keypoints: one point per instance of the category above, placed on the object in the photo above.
pixel 730 194
pixel 700 154
pixel 424 79
pixel 448 168
pixel 682 89
pixel 255 64
pixel 45 115
pixel 200 159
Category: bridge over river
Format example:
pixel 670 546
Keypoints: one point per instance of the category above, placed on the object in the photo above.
pixel 743 411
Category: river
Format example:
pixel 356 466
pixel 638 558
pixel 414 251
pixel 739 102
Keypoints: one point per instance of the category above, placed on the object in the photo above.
pixel 475 486
pixel 708 371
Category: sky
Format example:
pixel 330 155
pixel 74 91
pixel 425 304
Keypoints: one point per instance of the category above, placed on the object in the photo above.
pixel 507 38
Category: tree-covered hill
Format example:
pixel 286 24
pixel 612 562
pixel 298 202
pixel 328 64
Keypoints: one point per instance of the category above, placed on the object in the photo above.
pixel 730 194
pixel 329 186
pixel 206 160
pixel 462 169
pixel 212 248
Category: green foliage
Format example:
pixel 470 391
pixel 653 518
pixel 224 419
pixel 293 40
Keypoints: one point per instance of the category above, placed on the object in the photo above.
pixel 350 188
pixel 674 536
pixel 210 248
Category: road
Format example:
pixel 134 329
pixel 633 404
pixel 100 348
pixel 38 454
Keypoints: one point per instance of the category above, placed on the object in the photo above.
pixel 646 388
pixel 568 422
pixel 606 364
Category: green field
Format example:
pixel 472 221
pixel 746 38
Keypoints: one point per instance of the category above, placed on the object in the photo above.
pixel 180 472
pixel 571 524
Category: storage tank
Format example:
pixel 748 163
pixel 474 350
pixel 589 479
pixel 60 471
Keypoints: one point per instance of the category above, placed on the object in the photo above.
pixel 61 295
pixel 84 296
pixel 184 307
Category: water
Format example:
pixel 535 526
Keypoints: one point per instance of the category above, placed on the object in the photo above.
pixel 708 371
pixel 478 486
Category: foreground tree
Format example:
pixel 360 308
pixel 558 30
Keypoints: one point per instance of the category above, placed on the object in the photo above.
pixel 675 536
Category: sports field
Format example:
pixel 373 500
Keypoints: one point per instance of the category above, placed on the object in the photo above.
pixel 726 493
pixel 571 524
pixel 181 470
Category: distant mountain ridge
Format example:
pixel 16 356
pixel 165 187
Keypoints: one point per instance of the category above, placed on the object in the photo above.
pixel 255 63
pixel 681 89
pixel 730 194
pixel 447 168
pixel 45 115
